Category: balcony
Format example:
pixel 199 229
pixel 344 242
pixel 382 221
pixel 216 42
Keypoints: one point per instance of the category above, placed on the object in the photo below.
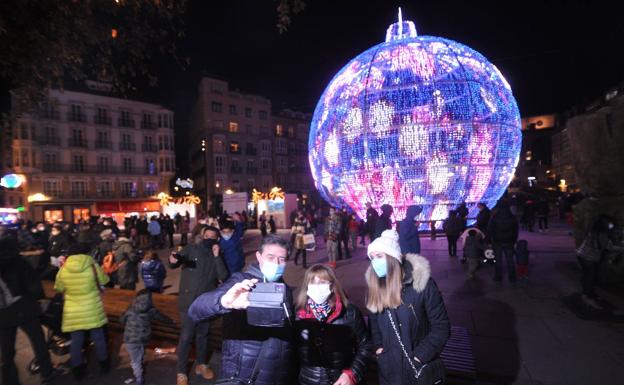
pixel 77 142
pixel 148 125
pixel 252 170
pixel 103 144
pixel 148 147
pixel 104 120
pixel 125 146
pixel 49 115
pixel 125 123
pixel 50 141
pixel 76 117
pixel 94 169
pixel 236 170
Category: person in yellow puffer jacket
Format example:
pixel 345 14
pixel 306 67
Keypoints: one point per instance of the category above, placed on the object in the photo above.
pixel 83 310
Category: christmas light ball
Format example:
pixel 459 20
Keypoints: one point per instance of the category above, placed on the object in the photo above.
pixel 415 120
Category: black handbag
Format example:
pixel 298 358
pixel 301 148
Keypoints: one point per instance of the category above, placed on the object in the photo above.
pixel 432 372
pixel 242 381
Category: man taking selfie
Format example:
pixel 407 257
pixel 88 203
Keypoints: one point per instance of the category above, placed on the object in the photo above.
pixel 257 307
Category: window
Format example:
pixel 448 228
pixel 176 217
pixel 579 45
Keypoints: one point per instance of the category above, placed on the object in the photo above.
pixel 248 112
pixel 151 188
pixel 50 161
pixel 291 131
pixel 218 144
pixel 233 127
pixel 33 132
pixel 232 109
pixel 78 189
pixel 161 163
pixel 104 189
pixel 51 187
pixel 103 164
pixel 234 147
pixel 79 164
pixel 282 165
pixel 34 159
pixel 281 146
pixel 101 116
pixel 75 114
pixel 168 164
pixel 160 142
pixel 250 165
pixel 126 119
pixel 150 166
pixel 167 144
pixel 263 115
pixel 219 164
pixel 279 130
pixel 127 165
pixel 217 107
pixel 266 148
pixel 128 189
pixel 266 164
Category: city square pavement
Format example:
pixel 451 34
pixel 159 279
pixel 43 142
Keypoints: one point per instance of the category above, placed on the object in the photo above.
pixel 522 333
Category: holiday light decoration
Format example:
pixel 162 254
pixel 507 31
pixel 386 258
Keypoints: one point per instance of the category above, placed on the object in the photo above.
pixel 415 120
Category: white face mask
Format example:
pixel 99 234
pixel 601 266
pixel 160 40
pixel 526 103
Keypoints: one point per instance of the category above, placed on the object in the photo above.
pixel 611 226
pixel 319 292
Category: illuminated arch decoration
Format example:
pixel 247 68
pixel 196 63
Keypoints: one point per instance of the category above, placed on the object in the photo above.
pixel 415 120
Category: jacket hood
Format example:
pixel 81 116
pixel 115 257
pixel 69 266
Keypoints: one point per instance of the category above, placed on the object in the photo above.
pixel 151 264
pixel 143 302
pixel 120 242
pixel 254 269
pixel 417 271
pixel 78 263
pixel 412 211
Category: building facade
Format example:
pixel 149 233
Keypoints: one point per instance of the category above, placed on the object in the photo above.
pixel 86 154
pixel 238 145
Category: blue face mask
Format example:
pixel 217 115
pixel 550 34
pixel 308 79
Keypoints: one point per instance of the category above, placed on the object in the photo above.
pixel 272 271
pixel 380 265
pixel 226 237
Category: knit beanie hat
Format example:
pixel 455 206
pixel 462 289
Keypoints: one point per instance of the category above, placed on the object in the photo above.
pixel 387 243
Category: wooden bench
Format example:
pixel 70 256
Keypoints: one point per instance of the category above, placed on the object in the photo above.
pixel 116 301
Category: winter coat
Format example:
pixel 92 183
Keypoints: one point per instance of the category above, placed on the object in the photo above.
pixel 453 226
pixel 371 219
pixel 409 239
pixel 153 273
pixel 483 219
pixel 128 261
pixel 153 228
pixel 25 289
pixel 503 227
pixel 185 226
pixel 299 228
pixel 201 272
pixel 384 222
pixel 522 252
pixel 242 342
pixel 333 227
pixel 83 308
pixel 421 319
pixel 473 247
pixel 137 319
pixel 327 349
pixel 141 227
pixel 233 249
pixel 59 244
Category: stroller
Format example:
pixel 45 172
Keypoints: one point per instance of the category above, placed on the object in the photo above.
pixel 58 342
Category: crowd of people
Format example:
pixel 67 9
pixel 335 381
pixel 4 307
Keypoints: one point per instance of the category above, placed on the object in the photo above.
pixel 316 335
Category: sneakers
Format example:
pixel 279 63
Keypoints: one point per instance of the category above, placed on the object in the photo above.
pixel 182 379
pixel 332 265
pixel 204 371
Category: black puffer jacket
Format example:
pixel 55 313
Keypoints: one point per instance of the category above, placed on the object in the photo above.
pixel 421 319
pixel 326 349
pixel 503 227
pixel 137 320
pixel 242 342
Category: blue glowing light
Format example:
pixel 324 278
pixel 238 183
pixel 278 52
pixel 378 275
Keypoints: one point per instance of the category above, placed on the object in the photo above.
pixel 415 120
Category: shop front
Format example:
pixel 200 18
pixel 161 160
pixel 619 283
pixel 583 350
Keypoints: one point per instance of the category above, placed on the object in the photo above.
pixel 120 210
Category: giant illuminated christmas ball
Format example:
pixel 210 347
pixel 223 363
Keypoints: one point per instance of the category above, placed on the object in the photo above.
pixel 415 120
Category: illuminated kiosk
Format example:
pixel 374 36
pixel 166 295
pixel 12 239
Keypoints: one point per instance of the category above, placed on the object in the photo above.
pixel 415 120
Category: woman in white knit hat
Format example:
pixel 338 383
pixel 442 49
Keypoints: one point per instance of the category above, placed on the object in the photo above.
pixel 409 323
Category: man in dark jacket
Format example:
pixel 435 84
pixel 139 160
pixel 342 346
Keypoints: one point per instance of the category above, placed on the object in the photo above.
pixel 409 238
pixel 503 233
pixel 344 234
pixel 243 342
pixel 453 227
pixel 384 222
pixel 19 291
pixel 462 214
pixel 371 221
pixel 202 270
pixel 483 218
pixel 231 244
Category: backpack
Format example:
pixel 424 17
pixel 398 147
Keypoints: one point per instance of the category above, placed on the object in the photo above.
pixel 109 265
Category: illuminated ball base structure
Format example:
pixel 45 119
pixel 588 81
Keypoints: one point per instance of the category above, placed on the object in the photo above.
pixel 415 120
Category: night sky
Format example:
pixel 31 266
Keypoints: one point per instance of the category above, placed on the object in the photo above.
pixel 555 54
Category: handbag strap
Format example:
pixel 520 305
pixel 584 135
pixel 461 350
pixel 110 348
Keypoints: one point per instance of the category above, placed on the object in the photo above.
pixel 417 372
pixel 97 280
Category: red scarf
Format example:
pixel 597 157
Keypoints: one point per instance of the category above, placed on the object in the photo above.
pixel 307 313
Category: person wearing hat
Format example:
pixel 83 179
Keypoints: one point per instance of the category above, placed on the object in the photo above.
pixel 409 323
pixel 202 270
pixel 19 291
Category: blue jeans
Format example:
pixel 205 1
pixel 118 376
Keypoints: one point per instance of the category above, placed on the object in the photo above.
pixel 77 341
pixel 136 353
pixel 506 250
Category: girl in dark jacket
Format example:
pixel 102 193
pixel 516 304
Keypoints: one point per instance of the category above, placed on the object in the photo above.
pixel 153 272
pixel 402 296
pixel 332 338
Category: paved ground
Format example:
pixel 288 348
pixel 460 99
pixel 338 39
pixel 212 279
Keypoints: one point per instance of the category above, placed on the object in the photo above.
pixel 522 333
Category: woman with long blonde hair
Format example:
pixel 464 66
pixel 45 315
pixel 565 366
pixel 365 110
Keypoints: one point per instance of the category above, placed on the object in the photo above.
pixel 332 338
pixel 409 324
